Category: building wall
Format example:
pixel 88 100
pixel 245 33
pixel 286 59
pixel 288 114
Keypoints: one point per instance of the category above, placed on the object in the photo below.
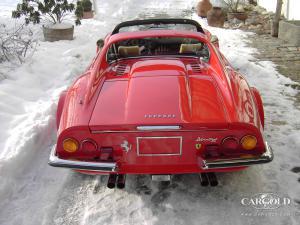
pixel 294 7
pixel 269 5
pixel 290 8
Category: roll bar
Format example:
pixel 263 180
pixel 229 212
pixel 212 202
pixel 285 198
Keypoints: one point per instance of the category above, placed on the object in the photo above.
pixel 157 22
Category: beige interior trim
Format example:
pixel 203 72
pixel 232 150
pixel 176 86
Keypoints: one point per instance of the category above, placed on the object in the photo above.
pixel 190 48
pixel 128 51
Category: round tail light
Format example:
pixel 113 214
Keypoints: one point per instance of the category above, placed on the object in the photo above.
pixel 248 142
pixel 70 145
pixel 230 143
pixel 89 145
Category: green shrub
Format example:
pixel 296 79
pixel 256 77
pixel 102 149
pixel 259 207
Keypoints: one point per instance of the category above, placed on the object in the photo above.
pixel 87 5
pixel 78 12
pixel 33 10
pixel 82 6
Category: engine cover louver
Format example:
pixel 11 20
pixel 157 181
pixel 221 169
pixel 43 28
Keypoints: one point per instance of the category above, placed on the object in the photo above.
pixel 121 69
pixel 196 68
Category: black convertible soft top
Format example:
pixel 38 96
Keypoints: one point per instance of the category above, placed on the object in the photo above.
pixel 157 22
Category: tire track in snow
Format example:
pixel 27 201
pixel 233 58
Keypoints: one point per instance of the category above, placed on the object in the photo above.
pixel 29 187
pixel 279 99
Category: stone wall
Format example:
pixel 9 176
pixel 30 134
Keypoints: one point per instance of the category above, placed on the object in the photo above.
pixel 290 31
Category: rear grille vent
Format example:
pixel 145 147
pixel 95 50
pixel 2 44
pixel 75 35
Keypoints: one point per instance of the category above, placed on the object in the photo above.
pixel 121 69
pixel 196 68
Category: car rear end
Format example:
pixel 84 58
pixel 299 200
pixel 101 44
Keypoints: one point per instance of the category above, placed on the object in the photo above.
pixel 161 115
pixel 160 150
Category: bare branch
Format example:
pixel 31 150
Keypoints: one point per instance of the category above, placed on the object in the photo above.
pixel 15 42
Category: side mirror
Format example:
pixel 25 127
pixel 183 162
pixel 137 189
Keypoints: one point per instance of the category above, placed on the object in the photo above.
pixel 214 40
pixel 99 44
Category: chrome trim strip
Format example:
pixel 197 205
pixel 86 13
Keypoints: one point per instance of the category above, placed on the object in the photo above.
pixel 152 56
pixel 80 165
pixel 160 154
pixel 238 162
pixel 158 128
pixel 137 131
pixel 230 137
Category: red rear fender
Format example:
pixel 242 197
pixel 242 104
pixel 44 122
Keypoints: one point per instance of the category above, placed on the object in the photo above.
pixel 259 103
pixel 60 107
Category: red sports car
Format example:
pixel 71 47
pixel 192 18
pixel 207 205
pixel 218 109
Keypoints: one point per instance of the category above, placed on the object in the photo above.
pixel 160 99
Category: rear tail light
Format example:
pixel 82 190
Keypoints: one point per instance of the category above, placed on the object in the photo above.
pixel 230 143
pixel 89 145
pixel 70 145
pixel 248 142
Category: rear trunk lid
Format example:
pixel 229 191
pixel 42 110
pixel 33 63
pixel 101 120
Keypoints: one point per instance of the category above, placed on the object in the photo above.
pixel 158 93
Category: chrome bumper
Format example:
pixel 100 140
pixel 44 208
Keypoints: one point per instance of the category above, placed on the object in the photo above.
pixel 207 164
pixel 238 162
pixel 80 165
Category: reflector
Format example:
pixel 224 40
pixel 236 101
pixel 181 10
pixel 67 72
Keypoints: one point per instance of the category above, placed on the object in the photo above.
pixel 248 142
pixel 70 145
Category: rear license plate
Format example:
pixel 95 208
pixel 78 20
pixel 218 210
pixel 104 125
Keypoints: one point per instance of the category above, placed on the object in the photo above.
pixel 161 177
pixel 150 146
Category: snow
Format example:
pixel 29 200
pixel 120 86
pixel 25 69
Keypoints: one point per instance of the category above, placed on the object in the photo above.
pixel 6 6
pixel 32 192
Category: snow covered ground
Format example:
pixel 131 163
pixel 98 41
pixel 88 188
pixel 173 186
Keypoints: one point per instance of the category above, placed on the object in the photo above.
pixel 31 192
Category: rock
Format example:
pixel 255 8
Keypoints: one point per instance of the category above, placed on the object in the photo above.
pixel 235 21
pixel 259 31
pixel 248 7
pixel 293 48
pixel 241 25
pixel 226 25
pixel 267 25
pixel 259 9
pixel 265 13
pixel 253 20
pixel 253 13
pixel 240 8
pixel 259 20
pixel 251 27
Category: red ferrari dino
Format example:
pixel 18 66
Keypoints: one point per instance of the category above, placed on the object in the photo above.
pixel 160 99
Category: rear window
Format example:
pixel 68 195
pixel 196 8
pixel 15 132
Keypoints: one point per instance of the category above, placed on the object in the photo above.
pixel 187 27
pixel 157 46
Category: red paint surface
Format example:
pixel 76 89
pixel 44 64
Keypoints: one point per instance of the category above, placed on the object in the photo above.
pixel 210 104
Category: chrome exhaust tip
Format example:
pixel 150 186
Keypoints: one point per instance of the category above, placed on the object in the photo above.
pixel 203 179
pixel 111 183
pixel 121 181
pixel 212 178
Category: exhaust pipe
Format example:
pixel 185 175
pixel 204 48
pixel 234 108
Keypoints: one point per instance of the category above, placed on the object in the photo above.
pixel 213 181
pixel 121 181
pixel 111 183
pixel 203 179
